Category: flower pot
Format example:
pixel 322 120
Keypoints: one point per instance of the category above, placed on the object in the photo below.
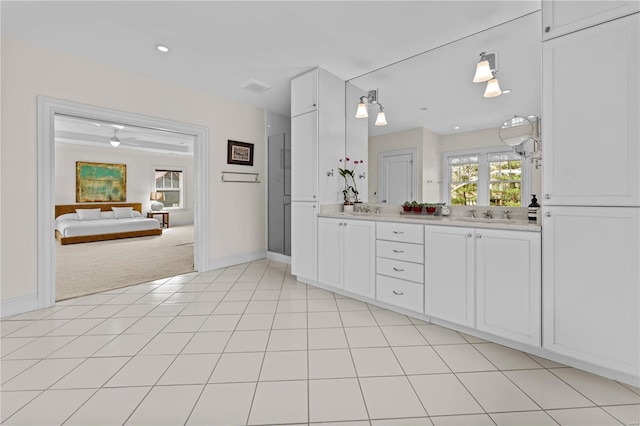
pixel 431 209
pixel 417 209
pixel 347 208
pixel 406 208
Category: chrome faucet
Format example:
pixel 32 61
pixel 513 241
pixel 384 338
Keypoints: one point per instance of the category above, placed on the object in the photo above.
pixel 473 213
pixel 377 210
pixel 487 214
pixel 506 214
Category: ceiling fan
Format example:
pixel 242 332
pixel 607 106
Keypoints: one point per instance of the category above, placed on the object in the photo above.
pixel 115 141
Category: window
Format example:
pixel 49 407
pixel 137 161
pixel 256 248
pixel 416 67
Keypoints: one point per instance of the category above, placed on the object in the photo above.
pixel 487 178
pixel 170 183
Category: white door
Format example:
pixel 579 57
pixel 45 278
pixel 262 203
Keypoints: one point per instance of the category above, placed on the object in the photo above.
pixel 397 181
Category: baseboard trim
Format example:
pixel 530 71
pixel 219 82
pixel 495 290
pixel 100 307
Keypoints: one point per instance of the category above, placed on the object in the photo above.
pixel 18 305
pixel 278 257
pixel 235 259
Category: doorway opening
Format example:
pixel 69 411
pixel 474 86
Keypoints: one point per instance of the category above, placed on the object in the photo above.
pixel 397 176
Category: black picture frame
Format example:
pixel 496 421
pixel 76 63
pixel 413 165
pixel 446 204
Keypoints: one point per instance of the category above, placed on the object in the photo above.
pixel 240 153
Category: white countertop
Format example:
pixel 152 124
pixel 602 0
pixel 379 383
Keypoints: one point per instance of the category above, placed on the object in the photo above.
pixel 423 219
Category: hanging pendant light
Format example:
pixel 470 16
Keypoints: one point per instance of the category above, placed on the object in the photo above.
pixel 381 120
pixel 362 110
pixel 114 141
pixel 493 88
pixel 483 70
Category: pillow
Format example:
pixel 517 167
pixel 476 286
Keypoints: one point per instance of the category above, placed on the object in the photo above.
pixel 67 216
pixel 136 213
pixel 122 212
pixel 107 215
pixel 88 214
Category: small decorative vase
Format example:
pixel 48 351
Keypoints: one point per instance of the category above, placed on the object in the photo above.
pixel 347 208
pixel 406 208
pixel 417 209
pixel 430 210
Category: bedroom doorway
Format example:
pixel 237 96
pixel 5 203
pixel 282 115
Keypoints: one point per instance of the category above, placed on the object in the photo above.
pixel 155 164
pixel 48 110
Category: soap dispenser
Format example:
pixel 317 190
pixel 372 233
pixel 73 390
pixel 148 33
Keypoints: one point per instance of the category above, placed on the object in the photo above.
pixel 532 212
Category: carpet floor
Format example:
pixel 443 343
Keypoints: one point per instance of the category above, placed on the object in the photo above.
pixel 88 268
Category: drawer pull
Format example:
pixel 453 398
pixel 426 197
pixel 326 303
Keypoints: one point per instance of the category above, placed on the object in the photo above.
pixel 398 232
pixel 398 293
pixel 398 269
pixel 398 251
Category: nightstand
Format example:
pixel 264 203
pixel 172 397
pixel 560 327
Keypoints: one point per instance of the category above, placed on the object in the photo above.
pixel 165 217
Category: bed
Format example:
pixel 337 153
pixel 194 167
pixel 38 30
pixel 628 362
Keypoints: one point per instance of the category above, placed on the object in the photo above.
pixel 91 225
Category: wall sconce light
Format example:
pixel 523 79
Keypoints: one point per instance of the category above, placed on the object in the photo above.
pixel 370 99
pixel 486 70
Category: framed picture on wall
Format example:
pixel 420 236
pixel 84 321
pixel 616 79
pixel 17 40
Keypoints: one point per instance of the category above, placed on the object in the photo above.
pixel 239 153
pixel 100 182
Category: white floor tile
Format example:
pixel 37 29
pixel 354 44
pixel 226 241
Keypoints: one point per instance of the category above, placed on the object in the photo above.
pixel 211 342
pixel 443 394
pixel 437 335
pixel 91 374
pixel 190 369
pixel 166 405
pixel 223 404
pixel 327 338
pixel 322 305
pixel 403 335
pixel 104 311
pixel 358 319
pixel 50 407
pixel 261 307
pixel 221 322
pixel 467 420
pixel 255 322
pixel 39 328
pixel 236 295
pixel 263 295
pixel 248 341
pixel 331 363
pixel 546 363
pixel 593 416
pixel 134 311
pixel 496 393
pixel 505 358
pixel 279 402
pixel 318 293
pixel 125 345
pixel 336 400
pixel 112 326
pixel 286 294
pixel 144 370
pixel 40 348
pixel 42 375
pixel 287 321
pixel 390 397
pixel 82 347
pixel 365 337
pixel 547 390
pixel 324 319
pixel 185 324
pixel 10 402
pixel 199 308
pixel 351 305
pixel 418 421
pixel 463 358
pixel 11 368
pixel 7 327
pixel 526 418
pixel 598 389
pixel 230 307
pixel 10 344
pixel 166 344
pixel 420 360
pixel 237 368
pixel 627 414
pixel 287 340
pixel 288 365
pixel 292 306
pixel 371 362
pixel 386 317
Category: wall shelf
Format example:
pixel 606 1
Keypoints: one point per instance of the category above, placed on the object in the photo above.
pixel 241 177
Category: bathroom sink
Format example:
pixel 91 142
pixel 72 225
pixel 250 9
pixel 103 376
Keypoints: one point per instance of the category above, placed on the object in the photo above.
pixel 485 220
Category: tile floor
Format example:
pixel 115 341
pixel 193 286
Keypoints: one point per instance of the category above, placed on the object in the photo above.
pixel 250 345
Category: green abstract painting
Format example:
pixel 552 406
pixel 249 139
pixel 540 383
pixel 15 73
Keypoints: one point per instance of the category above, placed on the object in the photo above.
pixel 97 182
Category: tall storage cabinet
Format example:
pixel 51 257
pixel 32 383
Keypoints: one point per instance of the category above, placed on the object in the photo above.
pixel 591 208
pixel 317 143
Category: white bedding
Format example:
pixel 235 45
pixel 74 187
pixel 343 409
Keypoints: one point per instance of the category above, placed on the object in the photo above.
pixel 70 227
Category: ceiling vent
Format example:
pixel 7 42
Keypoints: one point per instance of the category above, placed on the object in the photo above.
pixel 255 86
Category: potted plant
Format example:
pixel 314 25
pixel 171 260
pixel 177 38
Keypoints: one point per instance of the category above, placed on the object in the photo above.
pixel 349 189
pixel 430 207
pixel 406 206
pixel 416 207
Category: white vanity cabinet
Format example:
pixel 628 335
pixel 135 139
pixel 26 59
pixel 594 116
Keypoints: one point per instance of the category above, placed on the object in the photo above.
pixel 561 17
pixel 449 274
pixel 304 237
pixel 508 284
pixel 346 255
pixel 591 116
pixel 486 279
pixel 399 265
pixel 591 285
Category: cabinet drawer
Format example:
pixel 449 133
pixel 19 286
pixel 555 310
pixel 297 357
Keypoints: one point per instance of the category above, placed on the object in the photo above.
pixel 400 251
pixel 400 293
pixel 403 232
pixel 400 269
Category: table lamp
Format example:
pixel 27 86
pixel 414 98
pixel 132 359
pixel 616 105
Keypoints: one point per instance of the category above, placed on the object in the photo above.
pixel 155 198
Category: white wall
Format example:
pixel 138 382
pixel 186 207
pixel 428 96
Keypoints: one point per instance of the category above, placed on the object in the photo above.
pixel 140 174
pixel 486 138
pixel 236 211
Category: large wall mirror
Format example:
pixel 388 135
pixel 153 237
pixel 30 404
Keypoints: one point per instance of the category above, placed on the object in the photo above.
pixel 434 110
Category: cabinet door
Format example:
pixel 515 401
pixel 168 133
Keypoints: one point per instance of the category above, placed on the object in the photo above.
pixel 304 240
pixel 564 16
pixel 330 252
pixel 304 155
pixel 330 151
pixel 591 279
pixel 304 93
pixel 449 274
pixel 508 284
pixel 591 116
pixel 359 257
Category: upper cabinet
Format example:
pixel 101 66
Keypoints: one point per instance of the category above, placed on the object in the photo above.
pixel 591 87
pixel 561 17
pixel 304 93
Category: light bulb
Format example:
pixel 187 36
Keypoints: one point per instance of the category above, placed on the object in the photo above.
pixel 114 141
pixel 362 111
pixel 483 72
pixel 493 89
pixel 381 120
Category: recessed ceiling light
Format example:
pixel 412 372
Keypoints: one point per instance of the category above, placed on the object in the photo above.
pixel 423 108
pixel 162 48
pixel 456 128
pixel 506 91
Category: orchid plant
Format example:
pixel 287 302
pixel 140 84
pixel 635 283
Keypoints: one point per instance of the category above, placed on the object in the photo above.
pixel 347 173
